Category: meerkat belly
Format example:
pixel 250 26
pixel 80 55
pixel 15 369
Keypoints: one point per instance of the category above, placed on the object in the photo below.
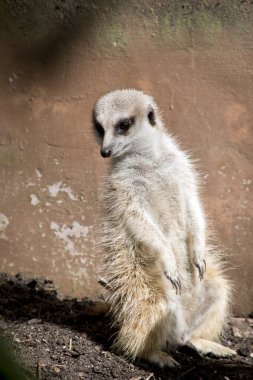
pixel 130 264
pixel 169 212
pixel 168 209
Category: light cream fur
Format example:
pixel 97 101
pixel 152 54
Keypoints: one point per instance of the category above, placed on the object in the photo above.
pixel 156 240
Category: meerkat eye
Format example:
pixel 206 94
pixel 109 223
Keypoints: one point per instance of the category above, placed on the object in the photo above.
pixel 99 129
pixel 123 125
pixel 151 117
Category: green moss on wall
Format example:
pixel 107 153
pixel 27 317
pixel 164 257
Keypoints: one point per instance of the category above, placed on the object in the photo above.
pixel 111 35
pixel 7 158
pixel 112 24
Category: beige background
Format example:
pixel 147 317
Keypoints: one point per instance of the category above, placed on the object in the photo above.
pixel 57 58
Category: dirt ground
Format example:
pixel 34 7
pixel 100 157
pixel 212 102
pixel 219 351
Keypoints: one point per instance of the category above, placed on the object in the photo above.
pixel 54 339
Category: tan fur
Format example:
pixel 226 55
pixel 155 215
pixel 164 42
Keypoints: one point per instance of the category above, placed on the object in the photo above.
pixel 156 239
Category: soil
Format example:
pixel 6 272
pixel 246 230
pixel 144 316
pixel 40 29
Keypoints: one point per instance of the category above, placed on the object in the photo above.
pixel 54 338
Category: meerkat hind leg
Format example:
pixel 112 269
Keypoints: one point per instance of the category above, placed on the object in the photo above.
pixel 210 318
pixel 206 347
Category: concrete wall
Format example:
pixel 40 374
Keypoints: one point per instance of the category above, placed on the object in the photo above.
pixel 57 58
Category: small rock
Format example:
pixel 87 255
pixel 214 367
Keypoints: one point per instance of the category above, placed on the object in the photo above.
pixel 236 332
pixel 241 328
pixel 56 369
pixel 19 276
pixel 74 354
pixel 80 352
pixel 32 283
pixel 244 350
pixel 34 321
pixel 83 370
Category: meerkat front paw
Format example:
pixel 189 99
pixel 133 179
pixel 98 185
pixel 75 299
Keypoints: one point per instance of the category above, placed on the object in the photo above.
pixel 175 281
pixel 201 266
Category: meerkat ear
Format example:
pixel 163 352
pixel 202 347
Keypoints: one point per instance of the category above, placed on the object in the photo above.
pixel 151 116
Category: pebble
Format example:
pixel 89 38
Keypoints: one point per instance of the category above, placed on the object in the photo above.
pixel 244 350
pixel 236 332
pixel 34 321
pixel 56 369
pixel 80 352
pixel 83 369
pixel 74 354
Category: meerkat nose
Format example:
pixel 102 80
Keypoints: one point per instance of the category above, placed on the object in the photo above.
pixel 106 152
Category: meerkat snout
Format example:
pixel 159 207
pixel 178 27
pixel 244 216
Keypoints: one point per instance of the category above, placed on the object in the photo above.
pixel 106 153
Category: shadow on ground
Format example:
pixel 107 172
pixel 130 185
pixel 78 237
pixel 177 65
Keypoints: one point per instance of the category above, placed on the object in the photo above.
pixel 55 338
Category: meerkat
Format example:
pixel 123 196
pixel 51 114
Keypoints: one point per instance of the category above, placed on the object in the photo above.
pixel 166 284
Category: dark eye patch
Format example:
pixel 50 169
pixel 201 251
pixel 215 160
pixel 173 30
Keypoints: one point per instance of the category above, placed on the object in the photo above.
pixel 98 127
pixel 100 130
pixel 151 117
pixel 124 125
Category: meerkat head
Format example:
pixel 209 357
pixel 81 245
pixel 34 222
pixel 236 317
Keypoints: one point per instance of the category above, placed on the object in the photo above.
pixel 121 118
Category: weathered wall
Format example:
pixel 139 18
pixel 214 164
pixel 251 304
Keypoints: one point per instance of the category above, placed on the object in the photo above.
pixel 57 58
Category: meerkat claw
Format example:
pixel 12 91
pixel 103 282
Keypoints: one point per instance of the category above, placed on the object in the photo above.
pixel 201 268
pixel 175 281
